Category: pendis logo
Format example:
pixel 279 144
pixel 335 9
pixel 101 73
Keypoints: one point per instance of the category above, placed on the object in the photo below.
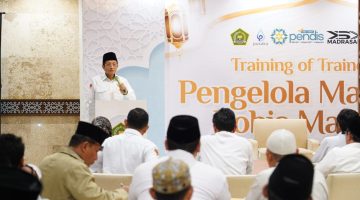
pixel 279 36
pixel 239 37
pixel 306 36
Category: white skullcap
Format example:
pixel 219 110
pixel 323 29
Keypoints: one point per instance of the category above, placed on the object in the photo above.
pixel 281 142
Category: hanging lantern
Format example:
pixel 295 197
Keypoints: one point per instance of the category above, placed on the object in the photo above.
pixel 176 27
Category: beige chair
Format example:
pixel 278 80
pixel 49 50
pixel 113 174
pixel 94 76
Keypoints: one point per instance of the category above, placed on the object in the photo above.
pixel 344 186
pixel 112 181
pixel 239 186
pixel 264 127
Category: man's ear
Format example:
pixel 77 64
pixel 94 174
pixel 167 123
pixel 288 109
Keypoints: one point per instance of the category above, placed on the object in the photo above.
pixel 189 193
pixel 235 127
pixel 215 129
pixel 198 147
pixel 265 191
pixel 84 146
pixel 166 145
pixel 21 163
pixel 126 123
pixel 152 193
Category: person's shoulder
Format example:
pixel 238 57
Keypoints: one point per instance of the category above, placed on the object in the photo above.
pixel 210 171
pixel 149 142
pixel 147 167
pixel 121 78
pixel 98 77
pixel 112 139
pixel 266 172
pixel 208 137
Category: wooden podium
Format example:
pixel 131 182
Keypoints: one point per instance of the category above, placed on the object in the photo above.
pixel 116 111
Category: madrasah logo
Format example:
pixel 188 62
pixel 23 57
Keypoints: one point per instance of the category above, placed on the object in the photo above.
pixel 342 37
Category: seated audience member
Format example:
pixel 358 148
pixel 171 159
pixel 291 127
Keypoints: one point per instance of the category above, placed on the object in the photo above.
pixel 279 144
pixel 123 153
pixel 105 124
pixel 14 182
pixel 338 140
pixel 344 159
pixel 292 179
pixel 171 180
pixel 183 143
pixel 66 174
pixel 230 153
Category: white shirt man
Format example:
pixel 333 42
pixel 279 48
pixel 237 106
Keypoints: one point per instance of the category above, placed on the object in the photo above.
pixel 342 122
pixel 280 143
pixel 344 159
pixel 108 86
pixel 208 183
pixel 224 150
pixel 106 89
pixel 327 144
pixel 123 153
pixel 183 143
pixel 230 153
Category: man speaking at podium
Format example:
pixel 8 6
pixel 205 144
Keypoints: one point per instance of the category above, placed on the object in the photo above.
pixel 110 86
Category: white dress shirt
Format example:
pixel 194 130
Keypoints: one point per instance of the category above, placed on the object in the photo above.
pixel 106 89
pixel 344 159
pixel 327 144
pixel 208 183
pixel 121 154
pixel 102 88
pixel 230 153
pixel 319 188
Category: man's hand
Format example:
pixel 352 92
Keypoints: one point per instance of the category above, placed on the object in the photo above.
pixel 123 89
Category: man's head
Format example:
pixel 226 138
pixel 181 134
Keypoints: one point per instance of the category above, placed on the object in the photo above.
pixel 224 120
pixel 110 63
pixel 353 131
pixel 171 181
pixel 138 119
pixel 291 179
pixel 11 150
pixel 281 142
pixel 103 123
pixel 343 119
pixel 183 133
pixel 87 141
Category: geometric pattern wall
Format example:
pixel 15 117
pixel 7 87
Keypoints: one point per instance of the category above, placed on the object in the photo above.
pixel 38 107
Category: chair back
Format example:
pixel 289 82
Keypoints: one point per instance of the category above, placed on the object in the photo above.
pixel 112 181
pixel 344 186
pixel 239 186
pixel 264 127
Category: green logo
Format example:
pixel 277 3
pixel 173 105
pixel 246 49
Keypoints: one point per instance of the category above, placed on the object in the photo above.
pixel 239 37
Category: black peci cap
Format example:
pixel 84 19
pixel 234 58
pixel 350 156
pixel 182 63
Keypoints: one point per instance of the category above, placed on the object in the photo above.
pixel 109 56
pixel 91 131
pixel 183 129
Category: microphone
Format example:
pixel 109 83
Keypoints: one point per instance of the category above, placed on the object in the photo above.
pixel 122 87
